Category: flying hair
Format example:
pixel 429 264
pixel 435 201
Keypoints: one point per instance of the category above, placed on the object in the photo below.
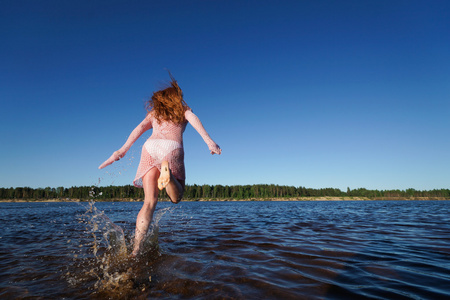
pixel 167 104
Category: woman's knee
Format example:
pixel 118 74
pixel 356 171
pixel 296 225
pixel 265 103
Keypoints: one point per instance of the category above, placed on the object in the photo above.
pixel 180 196
pixel 148 208
pixel 181 192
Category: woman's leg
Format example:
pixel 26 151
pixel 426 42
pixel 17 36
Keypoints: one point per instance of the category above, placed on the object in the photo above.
pixel 144 218
pixel 174 187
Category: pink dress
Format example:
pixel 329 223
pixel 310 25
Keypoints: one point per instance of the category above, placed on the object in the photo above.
pixel 165 143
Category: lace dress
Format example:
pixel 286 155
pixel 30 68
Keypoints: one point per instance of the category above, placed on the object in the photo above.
pixel 165 143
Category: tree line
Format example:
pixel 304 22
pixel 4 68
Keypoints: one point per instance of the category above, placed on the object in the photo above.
pixel 194 192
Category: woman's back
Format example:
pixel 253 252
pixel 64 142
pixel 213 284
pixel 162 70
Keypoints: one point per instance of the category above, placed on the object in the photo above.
pixel 168 130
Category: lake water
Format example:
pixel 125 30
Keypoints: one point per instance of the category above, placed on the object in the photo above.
pixel 228 250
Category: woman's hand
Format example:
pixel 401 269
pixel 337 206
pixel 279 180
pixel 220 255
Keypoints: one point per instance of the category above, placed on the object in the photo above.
pixel 114 157
pixel 215 149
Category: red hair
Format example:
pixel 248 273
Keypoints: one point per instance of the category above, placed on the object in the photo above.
pixel 167 104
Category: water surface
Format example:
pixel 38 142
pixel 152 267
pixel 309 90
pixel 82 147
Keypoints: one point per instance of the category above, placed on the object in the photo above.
pixel 231 250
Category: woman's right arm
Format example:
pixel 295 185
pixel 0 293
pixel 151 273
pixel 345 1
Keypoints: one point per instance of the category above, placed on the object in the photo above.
pixel 197 124
pixel 145 125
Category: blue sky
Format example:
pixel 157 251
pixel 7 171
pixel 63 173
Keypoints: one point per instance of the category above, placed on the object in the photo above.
pixel 304 93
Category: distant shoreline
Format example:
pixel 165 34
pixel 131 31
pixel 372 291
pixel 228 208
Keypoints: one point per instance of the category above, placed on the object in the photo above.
pixel 237 200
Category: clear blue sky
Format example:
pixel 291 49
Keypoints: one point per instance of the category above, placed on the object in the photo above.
pixel 304 93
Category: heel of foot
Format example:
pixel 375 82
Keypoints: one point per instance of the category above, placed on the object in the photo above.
pixel 164 176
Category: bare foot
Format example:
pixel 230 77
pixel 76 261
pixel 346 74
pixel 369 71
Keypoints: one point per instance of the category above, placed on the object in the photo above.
pixel 164 176
pixel 135 252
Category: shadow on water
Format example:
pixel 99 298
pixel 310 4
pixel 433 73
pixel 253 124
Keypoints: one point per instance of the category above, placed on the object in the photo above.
pixel 103 264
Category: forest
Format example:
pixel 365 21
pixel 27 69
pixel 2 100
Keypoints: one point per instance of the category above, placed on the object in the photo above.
pixel 211 192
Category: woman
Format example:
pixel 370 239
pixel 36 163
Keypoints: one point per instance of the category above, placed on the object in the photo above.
pixel 162 158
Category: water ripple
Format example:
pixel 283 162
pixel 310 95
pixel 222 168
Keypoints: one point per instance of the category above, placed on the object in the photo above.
pixel 233 250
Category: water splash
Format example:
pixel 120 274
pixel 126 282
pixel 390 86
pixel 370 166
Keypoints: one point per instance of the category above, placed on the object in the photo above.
pixel 112 234
pixel 103 261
